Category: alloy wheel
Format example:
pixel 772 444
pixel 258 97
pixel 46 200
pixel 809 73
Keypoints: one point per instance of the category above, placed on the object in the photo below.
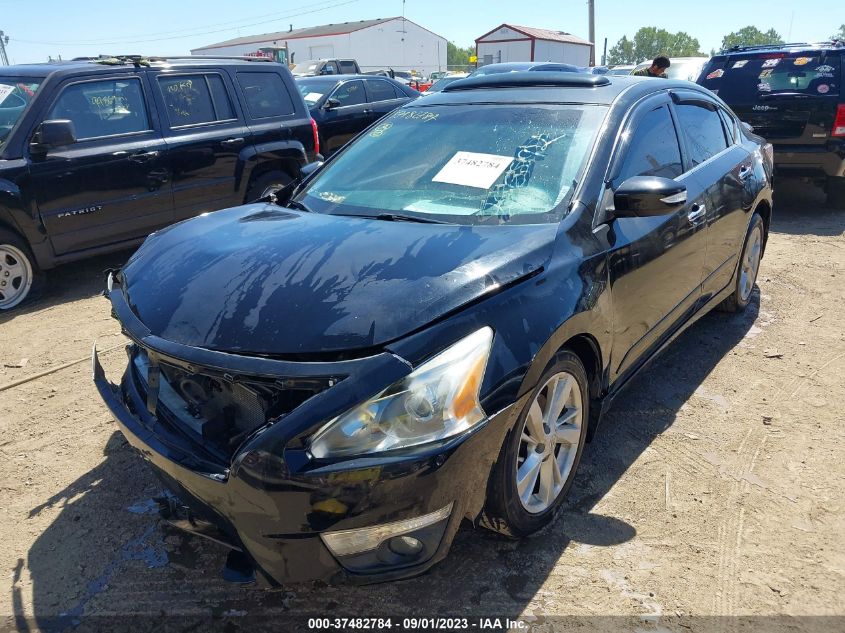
pixel 16 276
pixel 549 442
pixel 750 262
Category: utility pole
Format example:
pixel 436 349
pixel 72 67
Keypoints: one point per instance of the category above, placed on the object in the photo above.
pixel 591 7
pixel 4 40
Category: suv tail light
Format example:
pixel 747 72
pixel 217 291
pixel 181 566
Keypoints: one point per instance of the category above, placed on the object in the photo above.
pixel 839 123
pixel 316 136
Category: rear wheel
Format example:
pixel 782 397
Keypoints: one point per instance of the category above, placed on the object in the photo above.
pixel 19 274
pixel 749 266
pixel 836 192
pixel 541 453
pixel 266 184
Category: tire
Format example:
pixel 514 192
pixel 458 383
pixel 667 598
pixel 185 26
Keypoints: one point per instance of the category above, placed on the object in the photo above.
pixel 506 511
pixel 836 192
pixel 746 272
pixel 265 184
pixel 20 278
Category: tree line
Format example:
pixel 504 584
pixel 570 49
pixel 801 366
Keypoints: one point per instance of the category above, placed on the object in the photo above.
pixel 649 42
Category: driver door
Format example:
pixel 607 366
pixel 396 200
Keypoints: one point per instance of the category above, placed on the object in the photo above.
pixel 656 263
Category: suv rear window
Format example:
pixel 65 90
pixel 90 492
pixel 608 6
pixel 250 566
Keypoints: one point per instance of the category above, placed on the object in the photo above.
pixel 347 67
pixel 266 95
pixel 745 79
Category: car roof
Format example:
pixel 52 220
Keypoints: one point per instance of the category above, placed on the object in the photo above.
pixel 70 67
pixel 527 87
pixel 338 77
pixel 794 47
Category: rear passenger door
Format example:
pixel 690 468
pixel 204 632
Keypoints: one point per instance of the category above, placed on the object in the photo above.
pixel 205 135
pixel 112 185
pixel 723 167
pixel 382 98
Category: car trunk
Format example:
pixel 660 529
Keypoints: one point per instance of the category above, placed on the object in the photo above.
pixel 789 98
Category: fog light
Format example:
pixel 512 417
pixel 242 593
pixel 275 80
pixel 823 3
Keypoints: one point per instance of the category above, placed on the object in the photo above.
pixel 405 545
pixel 347 542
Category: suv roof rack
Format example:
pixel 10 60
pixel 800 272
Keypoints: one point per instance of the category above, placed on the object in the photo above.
pixel 140 60
pixel 530 79
pixel 762 47
pixel 246 58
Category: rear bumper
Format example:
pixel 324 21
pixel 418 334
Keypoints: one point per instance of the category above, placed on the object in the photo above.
pixel 810 160
pixel 275 513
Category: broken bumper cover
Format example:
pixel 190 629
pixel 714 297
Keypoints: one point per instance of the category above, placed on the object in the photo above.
pixel 400 512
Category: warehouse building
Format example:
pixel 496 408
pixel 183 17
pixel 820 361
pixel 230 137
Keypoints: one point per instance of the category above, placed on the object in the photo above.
pixel 509 43
pixel 396 43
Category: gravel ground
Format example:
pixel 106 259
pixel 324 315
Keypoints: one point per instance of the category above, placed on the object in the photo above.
pixel 715 488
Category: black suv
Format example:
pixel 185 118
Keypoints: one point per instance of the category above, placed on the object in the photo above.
pixel 794 96
pixel 96 154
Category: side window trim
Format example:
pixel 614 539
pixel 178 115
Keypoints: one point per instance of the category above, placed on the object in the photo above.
pixel 204 75
pixel 382 82
pixel 689 165
pixel 151 128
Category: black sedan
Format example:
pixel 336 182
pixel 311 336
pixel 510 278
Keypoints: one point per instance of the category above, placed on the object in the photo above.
pixel 421 335
pixel 343 105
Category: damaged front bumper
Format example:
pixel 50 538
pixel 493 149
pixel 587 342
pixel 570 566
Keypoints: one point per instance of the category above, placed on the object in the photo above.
pixel 367 519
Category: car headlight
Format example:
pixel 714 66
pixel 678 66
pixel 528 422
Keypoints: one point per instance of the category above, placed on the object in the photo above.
pixel 437 400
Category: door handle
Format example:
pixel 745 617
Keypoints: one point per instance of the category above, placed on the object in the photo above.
pixel 232 142
pixel 697 213
pixel 144 157
pixel 744 172
pixel 120 153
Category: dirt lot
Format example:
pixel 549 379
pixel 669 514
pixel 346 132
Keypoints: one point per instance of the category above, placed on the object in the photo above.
pixel 716 487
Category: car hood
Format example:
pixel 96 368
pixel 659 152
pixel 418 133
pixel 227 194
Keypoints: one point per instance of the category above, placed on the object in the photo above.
pixel 266 280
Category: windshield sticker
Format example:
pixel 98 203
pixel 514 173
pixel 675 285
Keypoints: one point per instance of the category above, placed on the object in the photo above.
pixel 771 63
pixel 740 64
pixel 716 74
pixel 824 75
pixel 802 61
pixel 823 89
pixel 765 74
pixel 473 170
pixel 5 91
pixel 824 68
pixel 313 97
pixel 416 115
pixel 379 130
pixel 328 196
pixel 764 87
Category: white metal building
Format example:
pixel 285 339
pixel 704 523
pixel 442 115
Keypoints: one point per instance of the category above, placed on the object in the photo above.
pixel 509 43
pixel 396 43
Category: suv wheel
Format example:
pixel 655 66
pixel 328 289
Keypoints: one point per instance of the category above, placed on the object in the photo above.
pixel 541 453
pixel 266 184
pixel 836 192
pixel 19 275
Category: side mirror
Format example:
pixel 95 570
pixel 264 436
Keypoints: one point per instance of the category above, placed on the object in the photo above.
pixel 646 196
pixel 331 104
pixel 55 133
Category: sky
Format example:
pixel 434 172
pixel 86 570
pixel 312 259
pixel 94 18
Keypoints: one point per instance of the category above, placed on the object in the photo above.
pixel 43 28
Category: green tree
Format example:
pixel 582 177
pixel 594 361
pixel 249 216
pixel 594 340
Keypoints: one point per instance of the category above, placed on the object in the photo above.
pixel 649 42
pixel 457 56
pixel 751 36
pixel 621 53
pixel 840 35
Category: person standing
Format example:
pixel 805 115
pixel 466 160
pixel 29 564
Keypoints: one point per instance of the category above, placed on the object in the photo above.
pixel 657 69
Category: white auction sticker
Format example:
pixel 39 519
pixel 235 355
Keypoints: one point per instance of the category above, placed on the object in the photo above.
pixel 5 91
pixel 313 97
pixel 473 170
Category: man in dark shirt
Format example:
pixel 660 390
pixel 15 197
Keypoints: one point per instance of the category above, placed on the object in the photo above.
pixel 657 69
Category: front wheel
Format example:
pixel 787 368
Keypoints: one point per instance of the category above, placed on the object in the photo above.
pixel 19 274
pixel 749 266
pixel 266 184
pixel 541 453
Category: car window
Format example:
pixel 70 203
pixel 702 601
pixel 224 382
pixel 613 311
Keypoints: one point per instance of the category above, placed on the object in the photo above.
pixel 266 95
pixel 703 131
pixel 350 93
pixel 730 126
pixel 188 99
pixel 312 90
pixel 103 108
pixel 380 90
pixel 488 164
pixel 748 78
pixel 16 93
pixel 653 149
pixel 348 67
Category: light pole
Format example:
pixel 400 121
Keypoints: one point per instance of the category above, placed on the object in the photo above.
pixel 4 40
pixel 591 8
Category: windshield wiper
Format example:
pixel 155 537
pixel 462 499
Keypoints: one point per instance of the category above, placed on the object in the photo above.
pixel 399 217
pixel 296 204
